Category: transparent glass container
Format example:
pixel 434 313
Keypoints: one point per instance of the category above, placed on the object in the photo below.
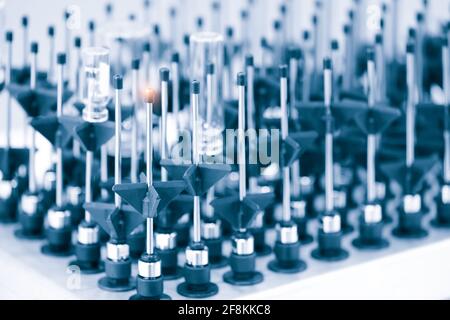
pixel 207 48
pixel 95 82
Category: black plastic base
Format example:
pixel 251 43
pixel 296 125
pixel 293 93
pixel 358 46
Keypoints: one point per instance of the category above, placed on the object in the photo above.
pixel 261 247
pixel 410 226
pixel 442 219
pixel 25 235
pixel 115 285
pixel 169 264
pixel 329 247
pixel 287 259
pixel 370 236
pixel 198 292
pixel 118 276
pixel 243 271
pixel 137 297
pixel 31 226
pixel 302 230
pixel 59 242
pixel 198 283
pixel 8 210
pixel 88 258
pixel 215 257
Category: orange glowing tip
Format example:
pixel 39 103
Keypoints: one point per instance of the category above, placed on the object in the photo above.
pixel 149 95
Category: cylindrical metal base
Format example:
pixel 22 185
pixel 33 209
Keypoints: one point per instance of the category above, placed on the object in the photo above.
pixel 410 226
pixel 370 236
pixel 243 270
pixel 442 219
pixel 8 209
pixel 88 258
pixel 197 283
pixel 215 256
pixel 31 226
pixel 169 264
pixel 329 248
pixel 59 242
pixel 287 258
pixel 118 276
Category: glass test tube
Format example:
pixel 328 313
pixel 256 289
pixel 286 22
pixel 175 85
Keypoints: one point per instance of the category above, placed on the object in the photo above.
pixel 95 83
pixel 206 48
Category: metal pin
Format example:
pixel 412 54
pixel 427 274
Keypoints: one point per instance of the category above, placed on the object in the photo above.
pixel 33 76
pixel 329 181
pixel 9 39
pixel 349 62
pixel 91 27
pixel 371 139
pixel 59 112
pixel 25 40
pixel 118 81
pixel 134 128
pixel 195 155
pixel 210 75
pixel 446 85
pixel 67 39
pixel 380 63
pixel 149 160
pixel 250 76
pixel 284 135
pixel 241 137
pixel 293 74
pixel 51 56
pixel 411 102
pixel 175 70
pixel 216 16
pixel 164 74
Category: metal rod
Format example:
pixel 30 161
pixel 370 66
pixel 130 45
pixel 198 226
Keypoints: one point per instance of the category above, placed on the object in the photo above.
pixel 88 178
pixel 25 40
pixel 32 160
pixel 134 128
pixel 209 93
pixel 9 39
pixel 241 137
pixel 175 68
pixel 149 162
pixel 293 73
pixel 67 39
pixel 104 169
pixel 118 140
pixel 394 31
pixel 371 139
pixel 195 155
pixel 163 120
pixel 380 63
pixel 348 74
pixel 250 75
pixel 329 181
pixel 446 85
pixel 51 56
pixel 410 107
pixel 91 33
pixel 59 113
pixel 284 135
pixel 419 56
